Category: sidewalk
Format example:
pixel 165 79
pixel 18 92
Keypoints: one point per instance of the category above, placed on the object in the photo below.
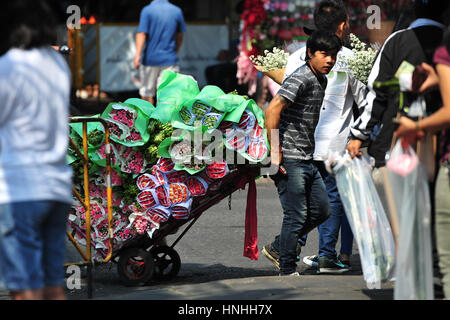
pixel 305 287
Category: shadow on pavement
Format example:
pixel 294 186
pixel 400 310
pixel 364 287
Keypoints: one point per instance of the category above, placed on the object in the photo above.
pixel 106 280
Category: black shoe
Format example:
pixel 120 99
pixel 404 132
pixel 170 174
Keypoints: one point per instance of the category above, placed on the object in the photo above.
pixel 328 265
pixel 272 254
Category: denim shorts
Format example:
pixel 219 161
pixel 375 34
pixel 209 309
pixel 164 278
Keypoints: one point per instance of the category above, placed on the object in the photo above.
pixel 32 244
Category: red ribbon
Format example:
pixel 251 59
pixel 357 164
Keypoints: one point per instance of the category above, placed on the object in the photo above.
pixel 251 220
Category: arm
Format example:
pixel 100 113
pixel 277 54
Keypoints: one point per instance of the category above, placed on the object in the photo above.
pixel 178 41
pixel 141 37
pixel 377 99
pixel 291 88
pixel 438 120
pixel 272 123
pixel 359 92
pixel 431 78
pixel 140 41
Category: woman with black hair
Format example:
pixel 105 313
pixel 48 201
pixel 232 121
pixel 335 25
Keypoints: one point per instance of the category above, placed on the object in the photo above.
pixel 35 180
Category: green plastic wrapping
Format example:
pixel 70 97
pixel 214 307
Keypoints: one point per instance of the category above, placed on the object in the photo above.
pixel 142 111
pixel 172 93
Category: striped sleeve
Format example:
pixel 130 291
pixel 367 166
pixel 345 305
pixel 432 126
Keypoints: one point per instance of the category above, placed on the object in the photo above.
pixel 292 87
pixel 377 99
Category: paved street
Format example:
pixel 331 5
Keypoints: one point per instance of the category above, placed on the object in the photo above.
pixel 213 267
pixel 211 256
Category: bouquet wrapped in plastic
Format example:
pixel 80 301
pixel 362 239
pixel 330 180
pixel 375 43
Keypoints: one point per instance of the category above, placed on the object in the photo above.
pixel 128 122
pixel 407 189
pixel 366 216
pixel 163 158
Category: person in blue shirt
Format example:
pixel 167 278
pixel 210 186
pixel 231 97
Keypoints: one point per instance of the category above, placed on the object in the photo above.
pixel 158 39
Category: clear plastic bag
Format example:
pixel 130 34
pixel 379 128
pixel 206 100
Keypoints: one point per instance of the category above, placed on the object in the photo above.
pixel 366 216
pixel 407 182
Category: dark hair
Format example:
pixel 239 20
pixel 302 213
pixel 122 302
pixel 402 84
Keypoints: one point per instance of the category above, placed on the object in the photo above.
pixel 329 15
pixel 431 9
pixel 322 40
pixel 27 24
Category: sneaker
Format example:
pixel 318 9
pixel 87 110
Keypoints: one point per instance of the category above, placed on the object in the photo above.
pixel 327 265
pixel 293 274
pixel 274 256
pixel 271 254
pixel 345 262
pixel 312 261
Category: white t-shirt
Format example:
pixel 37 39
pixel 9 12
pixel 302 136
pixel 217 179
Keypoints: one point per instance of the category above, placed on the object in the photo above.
pixel 336 115
pixel 34 129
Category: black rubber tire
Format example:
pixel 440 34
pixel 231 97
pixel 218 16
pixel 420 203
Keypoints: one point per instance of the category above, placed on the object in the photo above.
pixel 167 263
pixel 135 266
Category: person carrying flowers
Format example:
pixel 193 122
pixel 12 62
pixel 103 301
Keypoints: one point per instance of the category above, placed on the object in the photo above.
pixel 344 88
pixel 294 111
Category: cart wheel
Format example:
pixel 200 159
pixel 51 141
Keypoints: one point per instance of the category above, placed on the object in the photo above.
pixel 135 266
pixel 167 263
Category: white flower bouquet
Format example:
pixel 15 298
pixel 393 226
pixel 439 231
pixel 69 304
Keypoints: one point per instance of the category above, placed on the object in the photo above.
pixel 272 64
pixel 361 64
pixel 277 59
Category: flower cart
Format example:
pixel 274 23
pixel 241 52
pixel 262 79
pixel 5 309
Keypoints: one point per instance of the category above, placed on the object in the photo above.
pixel 142 258
pixel 85 202
pixel 146 171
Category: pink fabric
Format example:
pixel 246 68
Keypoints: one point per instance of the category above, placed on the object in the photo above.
pixel 402 164
pixel 442 56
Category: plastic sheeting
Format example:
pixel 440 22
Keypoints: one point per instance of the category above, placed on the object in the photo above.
pixel 411 206
pixel 366 216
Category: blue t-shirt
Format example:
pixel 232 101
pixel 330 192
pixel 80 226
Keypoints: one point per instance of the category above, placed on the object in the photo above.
pixel 161 21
